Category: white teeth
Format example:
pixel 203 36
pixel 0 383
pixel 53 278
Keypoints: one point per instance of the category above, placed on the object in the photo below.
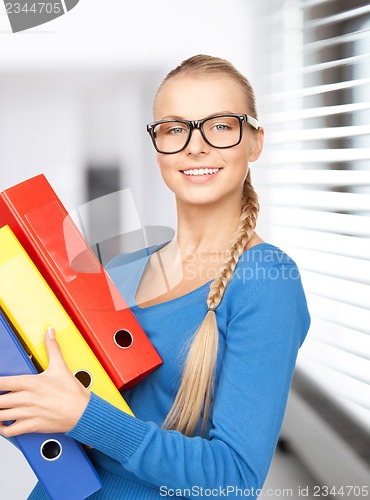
pixel 201 171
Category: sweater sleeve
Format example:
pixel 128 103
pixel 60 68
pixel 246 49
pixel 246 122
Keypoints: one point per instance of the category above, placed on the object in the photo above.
pixel 262 343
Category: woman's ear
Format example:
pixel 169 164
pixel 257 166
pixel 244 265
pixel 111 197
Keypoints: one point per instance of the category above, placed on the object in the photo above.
pixel 256 144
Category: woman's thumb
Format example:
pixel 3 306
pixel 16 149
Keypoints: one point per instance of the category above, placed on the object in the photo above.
pixel 52 346
pixel 51 333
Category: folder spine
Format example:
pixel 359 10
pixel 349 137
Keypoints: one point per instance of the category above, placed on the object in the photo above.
pixel 59 462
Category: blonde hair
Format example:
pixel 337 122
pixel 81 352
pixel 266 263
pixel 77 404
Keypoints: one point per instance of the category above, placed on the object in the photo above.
pixel 201 65
pixel 194 397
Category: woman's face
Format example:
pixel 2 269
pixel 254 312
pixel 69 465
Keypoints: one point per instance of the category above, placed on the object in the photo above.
pixel 194 98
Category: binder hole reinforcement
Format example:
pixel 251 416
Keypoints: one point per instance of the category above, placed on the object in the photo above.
pixel 84 377
pixel 51 449
pixel 123 339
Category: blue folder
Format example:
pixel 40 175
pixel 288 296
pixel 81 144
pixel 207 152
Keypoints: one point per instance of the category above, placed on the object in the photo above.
pixel 59 462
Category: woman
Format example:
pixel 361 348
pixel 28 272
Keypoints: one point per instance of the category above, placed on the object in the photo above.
pixel 225 310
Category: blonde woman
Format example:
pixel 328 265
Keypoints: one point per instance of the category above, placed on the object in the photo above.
pixel 225 310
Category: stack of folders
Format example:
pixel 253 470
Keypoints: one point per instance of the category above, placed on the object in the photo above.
pixel 60 463
pixel 48 234
pixel 50 277
pixel 31 306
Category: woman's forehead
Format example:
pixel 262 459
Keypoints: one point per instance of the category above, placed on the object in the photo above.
pixel 194 97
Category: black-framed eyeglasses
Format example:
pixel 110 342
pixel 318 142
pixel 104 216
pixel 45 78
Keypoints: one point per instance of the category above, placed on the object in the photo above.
pixel 219 131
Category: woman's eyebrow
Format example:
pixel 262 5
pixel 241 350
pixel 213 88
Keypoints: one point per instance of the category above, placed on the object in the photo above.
pixel 176 117
pixel 172 117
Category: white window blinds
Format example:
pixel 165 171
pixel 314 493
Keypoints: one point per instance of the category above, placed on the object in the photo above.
pixel 314 181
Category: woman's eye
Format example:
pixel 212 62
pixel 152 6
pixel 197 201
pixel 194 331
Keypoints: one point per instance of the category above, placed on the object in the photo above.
pixel 176 130
pixel 221 127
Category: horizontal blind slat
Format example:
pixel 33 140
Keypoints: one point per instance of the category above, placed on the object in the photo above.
pixel 338 266
pixel 360 414
pixel 341 337
pixel 313 3
pixel 308 239
pixel 338 360
pixel 319 45
pixel 346 315
pixel 340 289
pixel 274 179
pixel 278 137
pixel 354 225
pixel 336 40
pixel 338 383
pixel 302 114
pixel 337 18
pixel 319 67
pixel 316 199
pixel 317 155
pixel 317 90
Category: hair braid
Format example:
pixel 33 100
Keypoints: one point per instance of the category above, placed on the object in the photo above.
pixel 243 234
pixel 196 390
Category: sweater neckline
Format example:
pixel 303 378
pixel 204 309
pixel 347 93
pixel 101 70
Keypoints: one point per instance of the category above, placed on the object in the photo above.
pixel 186 295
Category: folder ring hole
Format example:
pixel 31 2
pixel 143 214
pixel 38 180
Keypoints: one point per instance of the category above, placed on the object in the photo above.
pixel 51 449
pixel 84 377
pixel 123 339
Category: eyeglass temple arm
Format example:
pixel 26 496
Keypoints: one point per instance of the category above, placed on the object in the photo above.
pixel 252 121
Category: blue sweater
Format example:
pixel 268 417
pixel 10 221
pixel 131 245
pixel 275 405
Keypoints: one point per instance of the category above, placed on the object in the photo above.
pixel 262 320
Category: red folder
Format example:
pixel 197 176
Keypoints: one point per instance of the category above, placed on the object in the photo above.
pixel 54 243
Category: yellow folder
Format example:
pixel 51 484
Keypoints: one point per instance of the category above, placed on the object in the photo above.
pixel 31 306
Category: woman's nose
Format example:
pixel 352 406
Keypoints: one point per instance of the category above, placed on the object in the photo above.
pixel 197 144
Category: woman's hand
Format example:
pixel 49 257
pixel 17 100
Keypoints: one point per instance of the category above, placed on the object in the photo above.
pixel 52 401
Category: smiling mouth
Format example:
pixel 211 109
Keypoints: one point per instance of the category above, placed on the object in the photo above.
pixel 200 171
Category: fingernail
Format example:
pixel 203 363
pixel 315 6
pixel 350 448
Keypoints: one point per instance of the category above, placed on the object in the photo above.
pixel 51 332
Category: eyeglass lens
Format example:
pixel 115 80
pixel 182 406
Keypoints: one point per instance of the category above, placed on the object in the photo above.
pixel 220 132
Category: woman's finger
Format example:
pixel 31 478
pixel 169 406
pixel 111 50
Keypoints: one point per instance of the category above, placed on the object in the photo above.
pixel 14 399
pixel 17 383
pixel 19 427
pixel 16 414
